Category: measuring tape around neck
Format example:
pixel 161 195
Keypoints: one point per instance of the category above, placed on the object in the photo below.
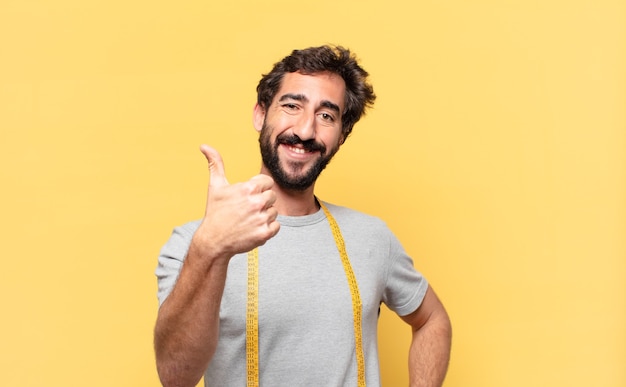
pixel 252 308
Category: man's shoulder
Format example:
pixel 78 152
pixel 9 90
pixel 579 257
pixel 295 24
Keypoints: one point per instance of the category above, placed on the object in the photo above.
pixel 353 215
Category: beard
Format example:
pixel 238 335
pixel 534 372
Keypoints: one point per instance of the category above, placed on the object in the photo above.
pixel 294 176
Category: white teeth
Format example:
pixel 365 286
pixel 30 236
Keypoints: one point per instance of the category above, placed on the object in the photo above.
pixel 297 150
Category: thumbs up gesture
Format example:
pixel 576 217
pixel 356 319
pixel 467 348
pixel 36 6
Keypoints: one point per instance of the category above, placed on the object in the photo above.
pixel 239 217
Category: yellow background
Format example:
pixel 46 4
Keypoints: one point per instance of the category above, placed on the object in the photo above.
pixel 496 151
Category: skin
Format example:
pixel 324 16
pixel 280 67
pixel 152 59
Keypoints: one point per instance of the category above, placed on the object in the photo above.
pixel 301 107
pixel 429 353
pixel 240 217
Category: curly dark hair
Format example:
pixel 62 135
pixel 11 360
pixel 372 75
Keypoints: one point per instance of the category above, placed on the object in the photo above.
pixel 335 59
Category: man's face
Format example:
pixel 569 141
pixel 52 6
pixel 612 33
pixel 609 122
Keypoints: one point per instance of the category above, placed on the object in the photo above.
pixel 301 129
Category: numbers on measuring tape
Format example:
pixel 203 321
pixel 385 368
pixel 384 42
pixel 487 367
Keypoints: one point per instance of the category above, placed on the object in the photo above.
pixel 252 308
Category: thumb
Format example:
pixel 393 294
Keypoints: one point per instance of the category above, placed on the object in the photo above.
pixel 216 166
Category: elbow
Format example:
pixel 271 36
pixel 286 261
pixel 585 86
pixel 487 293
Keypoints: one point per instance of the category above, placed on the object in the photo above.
pixel 176 368
pixel 446 324
pixel 180 368
pixel 442 326
pixel 172 375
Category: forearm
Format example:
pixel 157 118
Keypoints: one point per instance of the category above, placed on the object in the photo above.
pixel 429 353
pixel 238 218
pixel 187 326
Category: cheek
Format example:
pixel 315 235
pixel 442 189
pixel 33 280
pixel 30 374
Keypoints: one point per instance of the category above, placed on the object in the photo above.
pixel 282 123
pixel 332 139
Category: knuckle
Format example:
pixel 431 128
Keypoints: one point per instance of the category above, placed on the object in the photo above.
pixel 249 187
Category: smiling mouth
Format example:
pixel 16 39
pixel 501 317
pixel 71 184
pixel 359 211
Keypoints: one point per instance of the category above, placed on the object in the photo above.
pixel 298 150
pixel 297 146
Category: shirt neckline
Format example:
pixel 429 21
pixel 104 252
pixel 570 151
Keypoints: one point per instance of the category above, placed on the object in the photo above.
pixel 301 221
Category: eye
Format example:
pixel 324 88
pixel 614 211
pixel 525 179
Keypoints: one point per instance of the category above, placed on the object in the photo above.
pixel 327 117
pixel 290 106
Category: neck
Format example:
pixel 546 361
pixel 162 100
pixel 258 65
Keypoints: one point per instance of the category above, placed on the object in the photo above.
pixel 291 203
pixel 294 203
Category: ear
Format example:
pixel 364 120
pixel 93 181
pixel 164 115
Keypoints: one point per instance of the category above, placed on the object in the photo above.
pixel 258 117
pixel 342 136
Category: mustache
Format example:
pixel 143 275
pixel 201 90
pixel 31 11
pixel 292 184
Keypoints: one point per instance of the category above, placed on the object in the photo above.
pixel 309 145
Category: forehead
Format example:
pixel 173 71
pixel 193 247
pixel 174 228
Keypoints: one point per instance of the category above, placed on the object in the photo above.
pixel 316 87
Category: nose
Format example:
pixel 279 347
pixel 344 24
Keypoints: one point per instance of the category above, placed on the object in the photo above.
pixel 305 127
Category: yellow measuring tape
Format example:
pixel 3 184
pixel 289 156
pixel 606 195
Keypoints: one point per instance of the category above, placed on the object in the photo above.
pixel 252 308
pixel 252 319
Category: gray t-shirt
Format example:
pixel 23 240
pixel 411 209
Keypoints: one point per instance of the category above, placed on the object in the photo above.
pixel 306 332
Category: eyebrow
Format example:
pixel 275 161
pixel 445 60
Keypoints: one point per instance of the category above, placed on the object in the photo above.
pixel 302 98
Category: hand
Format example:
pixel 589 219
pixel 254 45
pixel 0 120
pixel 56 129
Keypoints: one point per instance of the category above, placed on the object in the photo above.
pixel 238 217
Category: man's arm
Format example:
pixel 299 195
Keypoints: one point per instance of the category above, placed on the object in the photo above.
pixel 238 218
pixel 429 353
pixel 186 331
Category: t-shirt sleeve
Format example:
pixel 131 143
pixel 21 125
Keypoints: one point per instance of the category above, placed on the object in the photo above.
pixel 405 287
pixel 171 258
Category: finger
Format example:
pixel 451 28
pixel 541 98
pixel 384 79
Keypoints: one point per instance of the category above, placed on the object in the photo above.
pixel 272 215
pixel 263 182
pixel 274 227
pixel 269 198
pixel 216 166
